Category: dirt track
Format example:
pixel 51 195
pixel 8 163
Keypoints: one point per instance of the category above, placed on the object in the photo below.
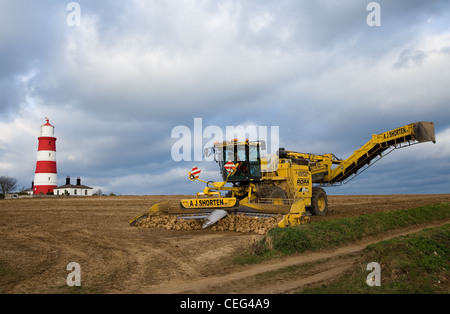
pixel 39 237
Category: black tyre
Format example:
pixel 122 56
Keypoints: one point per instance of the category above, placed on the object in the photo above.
pixel 276 194
pixel 319 202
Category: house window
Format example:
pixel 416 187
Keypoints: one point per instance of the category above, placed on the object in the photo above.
pixel 75 192
pixel 85 192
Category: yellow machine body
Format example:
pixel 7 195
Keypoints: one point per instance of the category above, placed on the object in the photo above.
pixel 291 183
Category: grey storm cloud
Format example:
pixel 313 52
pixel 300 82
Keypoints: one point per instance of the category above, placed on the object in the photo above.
pixel 117 85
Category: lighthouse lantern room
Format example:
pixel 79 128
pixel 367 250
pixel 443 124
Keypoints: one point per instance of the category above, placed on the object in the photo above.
pixel 45 178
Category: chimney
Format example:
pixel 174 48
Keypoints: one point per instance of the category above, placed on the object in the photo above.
pixel 67 180
pixel 78 181
pixel 32 184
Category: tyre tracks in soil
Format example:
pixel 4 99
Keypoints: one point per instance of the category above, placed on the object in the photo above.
pixel 333 263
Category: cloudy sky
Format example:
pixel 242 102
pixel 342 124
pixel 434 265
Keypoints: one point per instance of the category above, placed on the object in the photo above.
pixel 117 77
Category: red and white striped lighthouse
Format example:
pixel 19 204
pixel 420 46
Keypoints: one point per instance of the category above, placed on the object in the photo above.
pixel 45 179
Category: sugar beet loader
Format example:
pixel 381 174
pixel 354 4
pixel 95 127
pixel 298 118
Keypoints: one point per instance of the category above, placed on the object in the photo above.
pixel 288 184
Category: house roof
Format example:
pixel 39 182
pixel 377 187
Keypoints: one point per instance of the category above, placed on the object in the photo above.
pixel 71 186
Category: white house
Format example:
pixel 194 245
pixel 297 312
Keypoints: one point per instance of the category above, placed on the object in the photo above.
pixel 73 190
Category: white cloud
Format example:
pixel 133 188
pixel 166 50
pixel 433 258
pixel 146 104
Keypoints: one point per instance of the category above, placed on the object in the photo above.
pixel 440 150
pixel 260 22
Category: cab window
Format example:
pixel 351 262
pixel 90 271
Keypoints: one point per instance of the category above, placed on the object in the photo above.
pixel 253 153
pixel 241 153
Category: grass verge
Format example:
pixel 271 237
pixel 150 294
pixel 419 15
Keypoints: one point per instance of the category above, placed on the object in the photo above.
pixel 418 263
pixel 333 233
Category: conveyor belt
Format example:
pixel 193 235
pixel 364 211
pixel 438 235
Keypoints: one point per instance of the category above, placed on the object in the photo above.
pixel 381 145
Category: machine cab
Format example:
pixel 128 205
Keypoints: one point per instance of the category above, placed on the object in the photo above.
pixel 244 155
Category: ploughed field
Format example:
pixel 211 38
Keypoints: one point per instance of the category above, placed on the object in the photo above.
pixel 39 237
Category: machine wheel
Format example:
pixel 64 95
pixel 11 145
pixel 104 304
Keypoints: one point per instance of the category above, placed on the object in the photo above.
pixel 278 195
pixel 319 202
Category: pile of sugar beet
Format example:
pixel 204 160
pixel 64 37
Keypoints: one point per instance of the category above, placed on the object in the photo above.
pixel 236 222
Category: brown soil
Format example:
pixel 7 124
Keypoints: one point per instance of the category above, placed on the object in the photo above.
pixel 40 237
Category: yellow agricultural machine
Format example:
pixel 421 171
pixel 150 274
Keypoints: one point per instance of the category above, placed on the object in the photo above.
pixel 288 183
